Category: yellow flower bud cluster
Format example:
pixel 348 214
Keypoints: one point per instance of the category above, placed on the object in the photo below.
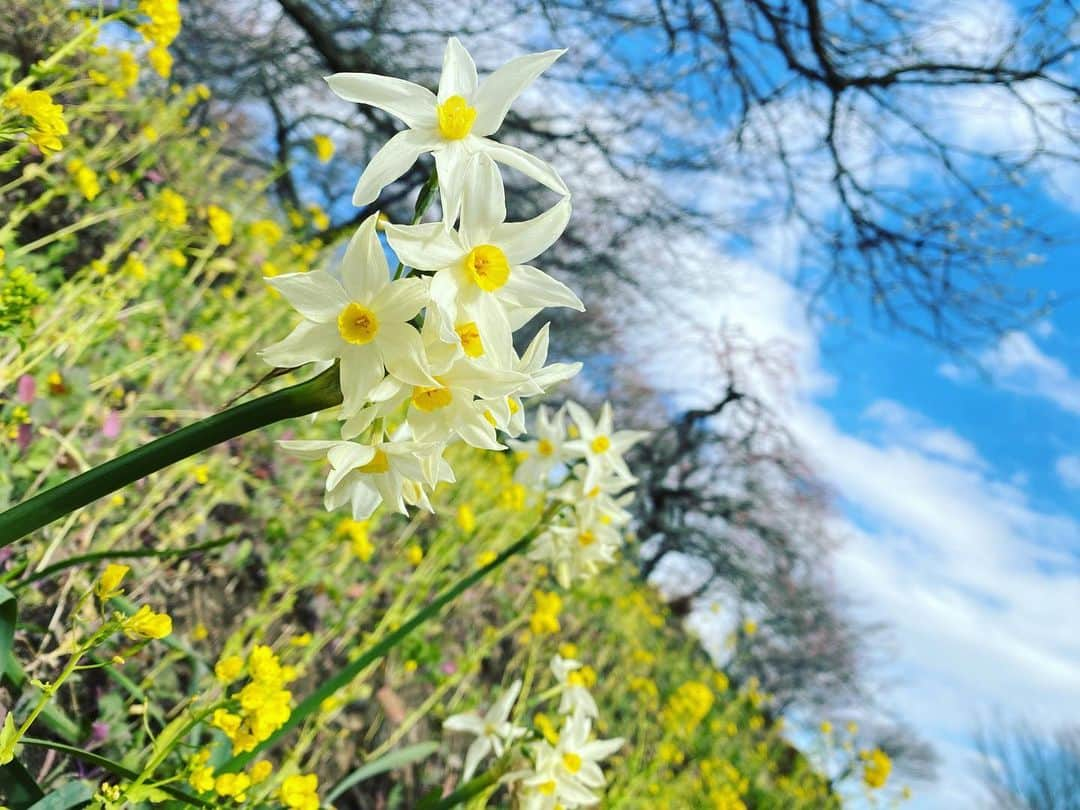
pixel 86 180
pixel 876 768
pixel 19 294
pixel 48 117
pixel 227 785
pixel 545 617
pixel 265 704
pixel 687 707
pixel 299 792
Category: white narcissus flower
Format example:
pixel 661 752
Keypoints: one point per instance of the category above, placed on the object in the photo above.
pixel 493 732
pixel 480 270
pixel 450 406
pixel 363 319
pixel 510 415
pixel 600 446
pixel 575 693
pixel 365 475
pixel 544 453
pixel 454 125
pixel 570 769
pixel 579 550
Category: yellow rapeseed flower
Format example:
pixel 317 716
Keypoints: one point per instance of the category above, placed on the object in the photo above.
pixel 466 518
pixel 545 618
pixel 261 771
pixel 164 23
pixel 324 148
pixel 194 343
pixel 147 624
pixel 266 231
pixel 86 180
pixel 108 585
pixel 414 554
pixel 299 792
pixel 876 768
pixel 160 60
pixel 171 208
pixel 221 224
pixel 228 669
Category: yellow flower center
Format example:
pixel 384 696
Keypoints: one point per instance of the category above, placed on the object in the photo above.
pixel 358 324
pixel 572 762
pixel 547 788
pixel 378 464
pixel 431 399
pixel 470 339
pixel 601 444
pixel 487 266
pixel 512 404
pixel 455 118
pixel 586 538
pixel 544 447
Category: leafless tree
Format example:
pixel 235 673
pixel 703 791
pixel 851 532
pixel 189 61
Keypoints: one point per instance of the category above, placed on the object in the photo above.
pixel 848 127
pixel 1025 769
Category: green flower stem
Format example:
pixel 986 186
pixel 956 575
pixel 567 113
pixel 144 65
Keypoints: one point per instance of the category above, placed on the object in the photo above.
pixel 316 394
pixel 310 705
pixel 114 768
pixel 120 554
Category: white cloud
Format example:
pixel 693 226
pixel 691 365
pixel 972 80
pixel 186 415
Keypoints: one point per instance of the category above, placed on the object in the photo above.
pixel 910 428
pixel 972 577
pixel 1019 365
pixel 1068 470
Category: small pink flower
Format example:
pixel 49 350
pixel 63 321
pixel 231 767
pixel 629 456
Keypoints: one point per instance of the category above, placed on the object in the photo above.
pixel 111 428
pixel 448 667
pixel 26 389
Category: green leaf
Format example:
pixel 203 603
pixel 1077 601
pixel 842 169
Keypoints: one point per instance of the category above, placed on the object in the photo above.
pixel 114 768
pixel 471 789
pixel 8 739
pixel 17 787
pixel 391 761
pixel 73 794
pixel 8 614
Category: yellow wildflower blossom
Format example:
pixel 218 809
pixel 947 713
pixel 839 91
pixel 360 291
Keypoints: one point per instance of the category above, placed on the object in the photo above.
pixel 108 585
pixel 876 768
pixel 164 23
pixel 324 148
pixel 466 518
pixel 299 792
pixel 147 624
pixel 545 618
pixel 221 224
pixel 160 60
pixel 171 208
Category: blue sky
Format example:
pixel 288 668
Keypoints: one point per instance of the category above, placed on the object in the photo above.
pixel 957 480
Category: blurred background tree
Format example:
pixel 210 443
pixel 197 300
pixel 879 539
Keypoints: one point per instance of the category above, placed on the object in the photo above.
pixel 1024 768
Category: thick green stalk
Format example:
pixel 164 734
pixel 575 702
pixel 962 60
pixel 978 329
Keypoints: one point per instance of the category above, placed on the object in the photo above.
pixel 307 397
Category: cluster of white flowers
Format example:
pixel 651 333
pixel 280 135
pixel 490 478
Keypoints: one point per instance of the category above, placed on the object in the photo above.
pixel 428 358
pixel 588 459
pixel 564 766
